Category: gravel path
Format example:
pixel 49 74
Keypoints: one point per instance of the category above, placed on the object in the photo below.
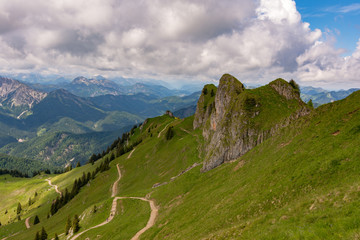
pixel 150 223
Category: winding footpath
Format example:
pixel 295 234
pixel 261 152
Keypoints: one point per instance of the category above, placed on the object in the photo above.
pixel 55 186
pixel 27 224
pixel 163 130
pixel 150 223
pixel 131 153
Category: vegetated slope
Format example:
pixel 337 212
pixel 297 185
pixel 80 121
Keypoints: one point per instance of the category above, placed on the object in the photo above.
pixel 300 182
pixel 185 112
pixel 22 165
pixel 144 105
pixel 63 148
pixel 61 103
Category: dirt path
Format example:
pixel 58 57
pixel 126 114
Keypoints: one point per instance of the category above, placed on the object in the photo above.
pixel 55 186
pixel 10 236
pixel 114 188
pixel 131 153
pixel 163 130
pixel 27 224
pixel 150 223
pixel 173 178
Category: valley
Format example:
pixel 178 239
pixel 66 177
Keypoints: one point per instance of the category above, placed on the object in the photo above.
pixel 60 128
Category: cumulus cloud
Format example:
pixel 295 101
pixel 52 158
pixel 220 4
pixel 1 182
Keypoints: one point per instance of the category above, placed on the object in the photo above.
pixel 256 40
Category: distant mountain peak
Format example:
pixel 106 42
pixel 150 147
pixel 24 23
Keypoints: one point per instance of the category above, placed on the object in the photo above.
pixel 15 94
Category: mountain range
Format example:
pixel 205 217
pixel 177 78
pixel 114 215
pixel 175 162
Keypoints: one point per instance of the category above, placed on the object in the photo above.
pixel 249 164
pixel 33 119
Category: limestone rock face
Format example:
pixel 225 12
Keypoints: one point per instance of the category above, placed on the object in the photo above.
pixel 237 119
pixel 285 89
pixel 14 94
pixel 205 105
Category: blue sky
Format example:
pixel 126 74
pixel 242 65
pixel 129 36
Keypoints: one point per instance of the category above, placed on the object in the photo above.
pixel 341 19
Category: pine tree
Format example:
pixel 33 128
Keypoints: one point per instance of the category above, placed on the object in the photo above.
pixel 78 164
pixel 36 220
pixel 37 236
pixel 35 194
pixel 56 237
pixel 67 226
pixel 310 103
pixel 295 86
pixel 43 235
pixel 94 209
pixel 169 133
pixel 29 201
pixel 112 157
pixel 75 224
pixel 205 91
pixel 212 93
pixel 18 210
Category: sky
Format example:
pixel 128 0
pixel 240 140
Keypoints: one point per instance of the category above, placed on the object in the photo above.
pixel 315 43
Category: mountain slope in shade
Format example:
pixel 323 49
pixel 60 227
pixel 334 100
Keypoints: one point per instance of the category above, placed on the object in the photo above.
pixel 61 103
pixel 18 97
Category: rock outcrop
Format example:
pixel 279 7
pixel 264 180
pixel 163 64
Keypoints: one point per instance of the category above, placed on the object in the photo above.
pixel 235 120
pixel 14 94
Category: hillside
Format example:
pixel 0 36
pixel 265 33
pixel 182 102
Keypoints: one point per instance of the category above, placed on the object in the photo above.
pixel 59 149
pixel 298 182
pixel 61 103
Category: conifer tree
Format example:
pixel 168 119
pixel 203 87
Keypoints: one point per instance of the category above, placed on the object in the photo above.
pixel 75 224
pixel 36 220
pixel 67 226
pixel 295 86
pixel 169 133
pixel 310 103
pixel 43 235
pixel 18 210
pixel 37 236
pixel 29 201
pixel 78 164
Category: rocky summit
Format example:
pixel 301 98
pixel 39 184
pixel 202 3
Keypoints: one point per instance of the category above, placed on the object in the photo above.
pixel 234 119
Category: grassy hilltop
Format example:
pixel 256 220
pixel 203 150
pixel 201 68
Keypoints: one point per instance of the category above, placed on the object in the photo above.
pixel 302 182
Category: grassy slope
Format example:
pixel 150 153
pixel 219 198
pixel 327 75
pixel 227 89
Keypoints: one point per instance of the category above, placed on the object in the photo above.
pixel 287 188
pixel 302 183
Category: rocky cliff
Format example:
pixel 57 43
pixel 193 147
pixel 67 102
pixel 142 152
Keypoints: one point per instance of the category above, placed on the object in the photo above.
pixel 234 120
pixel 16 95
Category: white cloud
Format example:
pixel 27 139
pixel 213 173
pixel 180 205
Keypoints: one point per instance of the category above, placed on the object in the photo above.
pixel 256 40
